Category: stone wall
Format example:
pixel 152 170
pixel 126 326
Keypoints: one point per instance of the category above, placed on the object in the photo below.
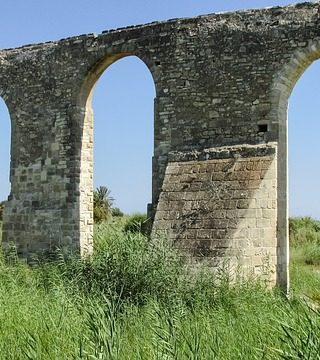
pixel 220 142
pixel 221 205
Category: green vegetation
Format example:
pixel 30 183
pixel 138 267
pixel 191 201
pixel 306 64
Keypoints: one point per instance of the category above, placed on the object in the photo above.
pixel 134 299
pixel 305 257
pixel 137 223
pixel 102 204
pixel 116 212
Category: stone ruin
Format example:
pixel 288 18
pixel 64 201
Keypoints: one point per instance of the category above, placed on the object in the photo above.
pixel 220 133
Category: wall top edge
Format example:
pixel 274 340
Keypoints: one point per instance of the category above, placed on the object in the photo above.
pixel 220 17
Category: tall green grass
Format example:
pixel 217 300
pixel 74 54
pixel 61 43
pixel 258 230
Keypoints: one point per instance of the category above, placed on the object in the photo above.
pixel 305 257
pixel 134 299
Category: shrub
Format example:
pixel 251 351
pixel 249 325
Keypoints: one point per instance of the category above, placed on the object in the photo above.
pixel 312 254
pixel 116 212
pixel 303 230
pixel 137 223
pixel 127 266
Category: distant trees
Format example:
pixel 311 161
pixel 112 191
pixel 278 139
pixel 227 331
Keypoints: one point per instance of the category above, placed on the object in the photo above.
pixel 116 212
pixel 102 203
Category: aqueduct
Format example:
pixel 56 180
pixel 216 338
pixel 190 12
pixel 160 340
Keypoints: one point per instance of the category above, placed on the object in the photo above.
pixel 220 144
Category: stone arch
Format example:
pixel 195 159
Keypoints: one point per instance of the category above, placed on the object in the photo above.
pixel 86 156
pixel 282 87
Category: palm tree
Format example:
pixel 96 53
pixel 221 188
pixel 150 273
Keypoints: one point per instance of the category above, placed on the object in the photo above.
pixel 102 203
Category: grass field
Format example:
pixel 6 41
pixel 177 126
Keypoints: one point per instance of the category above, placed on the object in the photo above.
pixel 134 300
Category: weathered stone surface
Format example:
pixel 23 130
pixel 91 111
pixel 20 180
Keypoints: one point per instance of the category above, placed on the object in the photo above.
pixel 220 163
pixel 222 208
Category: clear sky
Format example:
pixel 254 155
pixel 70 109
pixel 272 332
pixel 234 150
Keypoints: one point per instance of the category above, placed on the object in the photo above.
pixel 123 100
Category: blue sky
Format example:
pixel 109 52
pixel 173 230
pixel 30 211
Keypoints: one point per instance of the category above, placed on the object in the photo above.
pixel 123 100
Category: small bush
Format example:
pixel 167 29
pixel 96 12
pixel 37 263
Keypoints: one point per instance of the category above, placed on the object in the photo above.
pixel 304 230
pixel 100 214
pixel 312 254
pixel 116 212
pixel 127 266
pixel 137 223
pixel 305 238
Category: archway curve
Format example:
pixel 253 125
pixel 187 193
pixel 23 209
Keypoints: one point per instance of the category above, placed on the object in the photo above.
pixel 86 156
pixel 282 87
pixel 93 75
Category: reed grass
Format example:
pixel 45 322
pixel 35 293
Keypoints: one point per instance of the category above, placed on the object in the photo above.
pixel 133 299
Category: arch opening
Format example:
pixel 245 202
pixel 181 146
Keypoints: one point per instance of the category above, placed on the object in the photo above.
pixel 5 155
pixel 118 140
pixel 304 129
pixel 123 133
pixel 282 88
pixel 303 190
